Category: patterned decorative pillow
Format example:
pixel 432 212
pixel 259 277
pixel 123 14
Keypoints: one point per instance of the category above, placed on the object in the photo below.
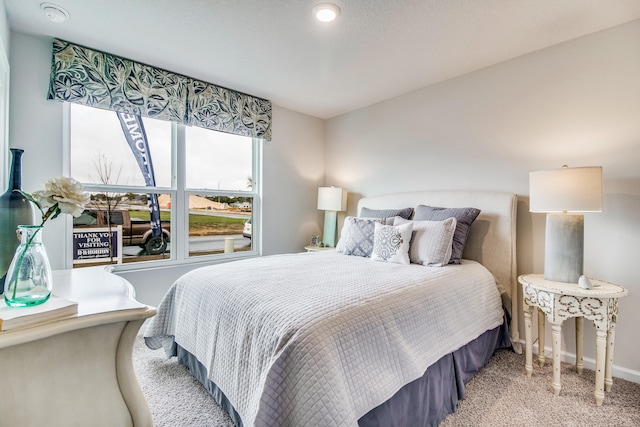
pixel 386 213
pixel 356 237
pixel 391 243
pixel 464 218
pixel 431 241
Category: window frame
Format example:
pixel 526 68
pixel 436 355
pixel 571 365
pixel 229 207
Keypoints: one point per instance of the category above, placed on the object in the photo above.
pixel 179 247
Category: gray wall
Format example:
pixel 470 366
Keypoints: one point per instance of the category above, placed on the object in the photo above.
pixel 577 103
pixel 293 165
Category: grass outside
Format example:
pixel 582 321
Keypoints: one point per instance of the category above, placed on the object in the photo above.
pixel 201 225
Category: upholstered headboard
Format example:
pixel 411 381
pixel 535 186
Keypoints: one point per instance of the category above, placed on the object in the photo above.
pixel 492 236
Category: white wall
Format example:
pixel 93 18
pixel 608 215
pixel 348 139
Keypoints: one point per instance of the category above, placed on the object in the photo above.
pixel 577 103
pixel 4 96
pixel 35 125
pixel 293 169
pixel 293 164
pixel 4 28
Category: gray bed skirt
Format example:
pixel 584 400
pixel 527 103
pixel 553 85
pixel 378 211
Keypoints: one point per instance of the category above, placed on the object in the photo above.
pixel 424 402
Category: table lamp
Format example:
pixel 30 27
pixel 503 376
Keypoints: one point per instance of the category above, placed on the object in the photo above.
pixel 331 200
pixel 564 194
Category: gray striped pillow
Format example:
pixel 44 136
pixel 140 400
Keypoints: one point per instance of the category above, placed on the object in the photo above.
pixel 386 213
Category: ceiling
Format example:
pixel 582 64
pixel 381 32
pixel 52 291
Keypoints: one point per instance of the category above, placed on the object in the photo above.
pixel 274 49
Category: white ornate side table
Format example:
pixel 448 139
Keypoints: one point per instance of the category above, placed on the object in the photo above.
pixel 560 301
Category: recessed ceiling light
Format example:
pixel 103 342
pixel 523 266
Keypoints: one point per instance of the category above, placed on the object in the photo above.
pixel 54 13
pixel 326 12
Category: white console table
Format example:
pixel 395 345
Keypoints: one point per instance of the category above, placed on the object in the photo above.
pixel 77 371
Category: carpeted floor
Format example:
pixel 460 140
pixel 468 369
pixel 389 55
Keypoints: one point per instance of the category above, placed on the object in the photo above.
pixel 500 395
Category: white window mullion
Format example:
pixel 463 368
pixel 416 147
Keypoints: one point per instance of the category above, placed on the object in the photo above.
pixel 66 171
pixel 180 210
pixel 256 210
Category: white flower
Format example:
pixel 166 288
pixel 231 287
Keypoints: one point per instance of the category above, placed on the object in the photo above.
pixel 60 195
pixel 66 192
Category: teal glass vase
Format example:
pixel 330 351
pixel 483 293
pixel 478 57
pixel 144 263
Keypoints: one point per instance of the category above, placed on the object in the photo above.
pixel 29 280
pixel 15 209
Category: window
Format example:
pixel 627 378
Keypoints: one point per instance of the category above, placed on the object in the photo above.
pixel 202 182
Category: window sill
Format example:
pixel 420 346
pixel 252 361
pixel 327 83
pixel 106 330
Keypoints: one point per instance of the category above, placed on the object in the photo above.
pixel 194 262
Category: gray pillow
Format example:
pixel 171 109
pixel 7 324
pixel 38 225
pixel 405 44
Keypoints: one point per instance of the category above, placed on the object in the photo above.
pixel 357 236
pixel 386 213
pixel 464 218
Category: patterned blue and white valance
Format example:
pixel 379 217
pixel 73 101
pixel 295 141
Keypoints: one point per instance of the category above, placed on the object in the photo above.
pixel 214 107
pixel 97 79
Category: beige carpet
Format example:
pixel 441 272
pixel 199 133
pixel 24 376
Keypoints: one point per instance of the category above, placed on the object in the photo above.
pixel 500 395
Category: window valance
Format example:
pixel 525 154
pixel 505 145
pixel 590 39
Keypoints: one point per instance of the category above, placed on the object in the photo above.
pixel 97 79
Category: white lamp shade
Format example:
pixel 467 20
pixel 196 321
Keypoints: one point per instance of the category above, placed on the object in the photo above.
pixel 332 199
pixel 566 190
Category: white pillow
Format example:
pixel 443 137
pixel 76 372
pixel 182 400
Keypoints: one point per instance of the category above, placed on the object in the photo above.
pixel 431 241
pixel 391 243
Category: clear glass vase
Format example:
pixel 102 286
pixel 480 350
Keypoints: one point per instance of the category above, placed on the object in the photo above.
pixel 29 280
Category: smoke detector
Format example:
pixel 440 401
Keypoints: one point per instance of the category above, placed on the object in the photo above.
pixel 54 13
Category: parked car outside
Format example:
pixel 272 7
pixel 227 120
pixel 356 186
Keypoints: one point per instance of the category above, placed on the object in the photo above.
pixel 134 231
pixel 246 231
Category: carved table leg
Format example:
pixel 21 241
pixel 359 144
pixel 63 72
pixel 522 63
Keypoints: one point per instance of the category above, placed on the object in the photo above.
pixel 601 350
pixel 541 322
pixel 608 378
pixel 556 331
pixel 579 343
pixel 528 365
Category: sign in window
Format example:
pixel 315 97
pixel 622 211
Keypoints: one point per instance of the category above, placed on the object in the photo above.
pixel 97 245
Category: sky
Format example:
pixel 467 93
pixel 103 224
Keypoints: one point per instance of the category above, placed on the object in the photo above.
pixel 215 160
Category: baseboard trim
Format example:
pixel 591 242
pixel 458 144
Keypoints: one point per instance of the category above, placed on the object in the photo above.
pixel 589 363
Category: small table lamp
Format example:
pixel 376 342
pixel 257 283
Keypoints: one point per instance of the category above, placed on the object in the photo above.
pixel 331 200
pixel 564 194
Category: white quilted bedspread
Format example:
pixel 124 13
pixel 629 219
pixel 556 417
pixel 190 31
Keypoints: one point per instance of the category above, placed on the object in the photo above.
pixel 319 339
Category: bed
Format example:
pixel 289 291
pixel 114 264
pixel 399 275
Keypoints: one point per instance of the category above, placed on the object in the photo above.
pixel 329 339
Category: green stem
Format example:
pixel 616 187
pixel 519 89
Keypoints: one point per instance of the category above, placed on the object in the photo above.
pixel 21 258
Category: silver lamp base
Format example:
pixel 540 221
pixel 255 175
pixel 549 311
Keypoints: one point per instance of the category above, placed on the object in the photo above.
pixel 564 247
